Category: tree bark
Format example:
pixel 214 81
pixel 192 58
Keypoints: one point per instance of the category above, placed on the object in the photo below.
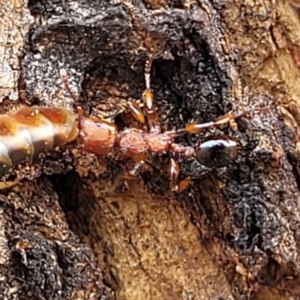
pixel 76 226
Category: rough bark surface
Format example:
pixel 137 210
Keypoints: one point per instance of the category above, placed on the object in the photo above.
pixel 235 232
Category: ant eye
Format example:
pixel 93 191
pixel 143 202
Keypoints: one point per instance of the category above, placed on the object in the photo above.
pixel 217 151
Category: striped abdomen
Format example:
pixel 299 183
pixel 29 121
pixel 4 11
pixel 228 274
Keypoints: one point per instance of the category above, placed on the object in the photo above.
pixel 32 130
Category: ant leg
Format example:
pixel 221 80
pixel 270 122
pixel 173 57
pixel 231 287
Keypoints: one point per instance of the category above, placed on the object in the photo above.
pixel 136 169
pixel 139 163
pixel 174 168
pixel 184 184
pixel 227 118
pixel 136 111
pixel 174 171
pixel 148 99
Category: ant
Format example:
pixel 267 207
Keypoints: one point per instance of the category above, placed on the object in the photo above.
pixel 101 136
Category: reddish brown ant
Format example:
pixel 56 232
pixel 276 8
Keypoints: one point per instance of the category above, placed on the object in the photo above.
pixel 32 130
pixel 100 137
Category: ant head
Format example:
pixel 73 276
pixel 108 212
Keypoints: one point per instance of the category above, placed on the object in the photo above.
pixel 217 151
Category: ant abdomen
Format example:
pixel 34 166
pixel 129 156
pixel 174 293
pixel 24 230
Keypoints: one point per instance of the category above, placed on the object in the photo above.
pixel 217 151
pixel 26 132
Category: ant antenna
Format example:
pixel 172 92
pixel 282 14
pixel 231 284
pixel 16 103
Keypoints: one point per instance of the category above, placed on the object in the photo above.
pixel 148 66
pixel 65 80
